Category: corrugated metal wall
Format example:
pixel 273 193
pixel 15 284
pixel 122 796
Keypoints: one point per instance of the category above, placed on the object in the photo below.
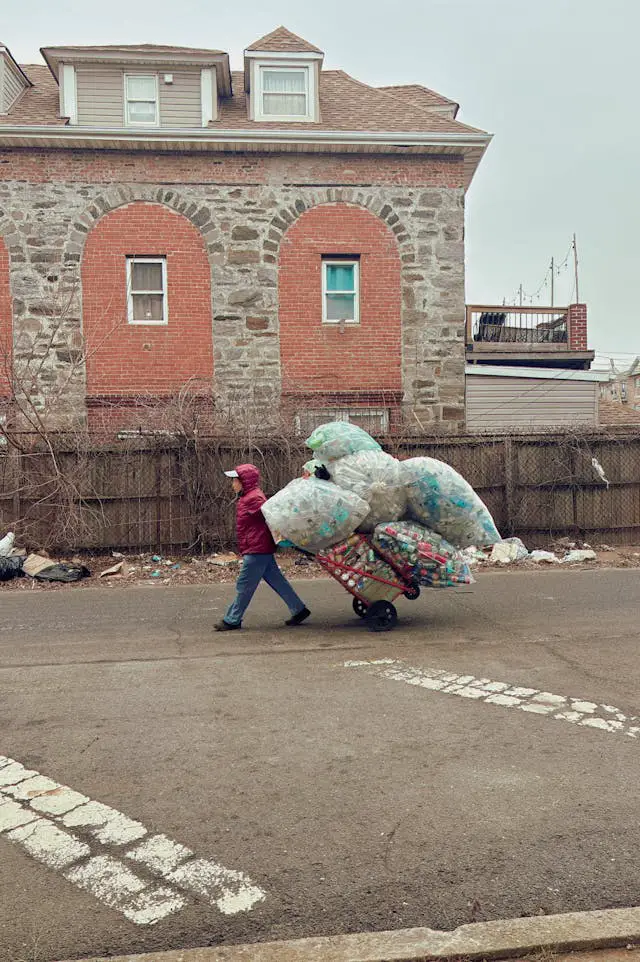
pixel 497 403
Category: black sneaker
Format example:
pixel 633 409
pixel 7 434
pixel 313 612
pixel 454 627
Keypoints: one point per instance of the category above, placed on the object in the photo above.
pixel 298 619
pixel 225 626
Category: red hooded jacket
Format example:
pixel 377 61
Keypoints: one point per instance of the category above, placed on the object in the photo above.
pixel 252 530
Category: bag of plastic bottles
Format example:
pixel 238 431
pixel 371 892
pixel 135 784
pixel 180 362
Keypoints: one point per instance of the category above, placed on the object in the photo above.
pixel 421 556
pixel 337 439
pixel 375 477
pixel 440 498
pixel 313 514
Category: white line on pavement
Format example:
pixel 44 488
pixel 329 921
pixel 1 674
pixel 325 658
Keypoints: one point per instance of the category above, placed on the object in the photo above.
pixel 26 797
pixel 576 711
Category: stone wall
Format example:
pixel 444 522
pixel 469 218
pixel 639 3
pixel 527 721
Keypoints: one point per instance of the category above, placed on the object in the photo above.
pixel 45 224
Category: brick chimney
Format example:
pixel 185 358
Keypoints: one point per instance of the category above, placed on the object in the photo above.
pixel 577 326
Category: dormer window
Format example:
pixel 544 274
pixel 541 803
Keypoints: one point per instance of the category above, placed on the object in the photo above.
pixel 284 92
pixel 141 100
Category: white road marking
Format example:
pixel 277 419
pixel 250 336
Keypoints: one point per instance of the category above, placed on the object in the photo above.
pixel 26 796
pixel 50 845
pixel 576 711
pixel 108 880
pixel 231 891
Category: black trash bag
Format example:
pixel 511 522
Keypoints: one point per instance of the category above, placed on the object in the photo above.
pixel 63 572
pixel 11 568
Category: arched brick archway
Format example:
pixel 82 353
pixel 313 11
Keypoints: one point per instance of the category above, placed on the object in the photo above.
pixel 125 359
pixel 325 357
pixel 6 323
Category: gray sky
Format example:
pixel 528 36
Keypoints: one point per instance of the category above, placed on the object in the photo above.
pixel 556 81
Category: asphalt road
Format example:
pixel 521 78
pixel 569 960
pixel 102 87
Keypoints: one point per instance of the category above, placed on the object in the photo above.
pixel 349 799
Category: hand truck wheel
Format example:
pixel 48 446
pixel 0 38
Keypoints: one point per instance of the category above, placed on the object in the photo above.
pixel 412 593
pixel 360 608
pixel 381 616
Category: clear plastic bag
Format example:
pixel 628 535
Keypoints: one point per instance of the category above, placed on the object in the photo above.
pixel 337 439
pixel 313 514
pixel 375 477
pixel 422 556
pixel 440 498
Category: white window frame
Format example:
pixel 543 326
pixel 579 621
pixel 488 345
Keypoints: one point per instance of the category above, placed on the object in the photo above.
pixel 128 100
pixel 341 262
pixel 310 74
pixel 345 414
pixel 137 259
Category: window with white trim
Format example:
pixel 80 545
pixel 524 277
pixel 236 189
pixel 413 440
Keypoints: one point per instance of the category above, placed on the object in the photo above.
pixel 141 100
pixel 284 93
pixel 147 290
pixel 340 290
pixel 373 420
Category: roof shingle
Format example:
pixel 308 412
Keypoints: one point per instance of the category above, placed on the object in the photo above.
pixel 282 40
pixel 419 95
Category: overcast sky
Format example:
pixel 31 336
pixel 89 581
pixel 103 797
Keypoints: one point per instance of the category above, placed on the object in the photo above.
pixel 556 81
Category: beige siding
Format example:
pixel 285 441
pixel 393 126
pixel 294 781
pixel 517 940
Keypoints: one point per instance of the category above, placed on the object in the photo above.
pixel 180 101
pixel 496 403
pixel 12 85
pixel 101 96
pixel 100 93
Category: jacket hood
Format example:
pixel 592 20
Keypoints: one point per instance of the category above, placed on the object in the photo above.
pixel 249 476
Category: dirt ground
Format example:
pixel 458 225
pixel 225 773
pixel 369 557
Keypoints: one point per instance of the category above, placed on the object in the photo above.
pixel 176 569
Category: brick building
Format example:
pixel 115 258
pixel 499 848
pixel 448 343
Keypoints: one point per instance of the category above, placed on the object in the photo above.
pixel 283 238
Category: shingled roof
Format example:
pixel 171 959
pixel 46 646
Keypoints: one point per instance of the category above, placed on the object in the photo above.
pixel 282 40
pixel 345 104
pixel 419 95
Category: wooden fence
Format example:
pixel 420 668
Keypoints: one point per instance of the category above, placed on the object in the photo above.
pixel 175 496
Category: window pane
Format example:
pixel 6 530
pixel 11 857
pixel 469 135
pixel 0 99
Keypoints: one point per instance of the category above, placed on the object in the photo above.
pixel 341 307
pixel 141 88
pixel 140 112
pixel 340 277
pixel 284 81
pixel 285 105
pixel 146 277
pixel 148 307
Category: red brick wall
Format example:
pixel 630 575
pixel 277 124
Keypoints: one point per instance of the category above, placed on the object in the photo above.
pixel 126 359
pixel 113 166
pixel 321 357
pixel 6 325
pixel 577 321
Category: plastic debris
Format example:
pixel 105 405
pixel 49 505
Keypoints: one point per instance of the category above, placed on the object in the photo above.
pixel 422 556
pixel 10 567
pixel 6 544
pixel 599 470
pixel 544 556
pixel 440 498
pixel 313 514
pixel 473 555
pixel 337 439
pixel 375 477
pixel 357 552
pixel 578 556
pixel 507 551
pixel 61 571
pixel 157 558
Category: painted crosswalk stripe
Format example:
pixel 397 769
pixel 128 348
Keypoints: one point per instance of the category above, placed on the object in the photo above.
pixel 69 832
pixel 566 708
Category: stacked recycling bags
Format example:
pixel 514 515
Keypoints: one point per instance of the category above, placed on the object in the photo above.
pixel 416 514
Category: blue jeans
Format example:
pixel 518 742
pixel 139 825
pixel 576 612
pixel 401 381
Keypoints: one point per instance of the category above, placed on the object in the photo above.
pixel 255 568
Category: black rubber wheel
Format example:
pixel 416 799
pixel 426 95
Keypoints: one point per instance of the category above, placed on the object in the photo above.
pixel 412 593
pixel 360 608
pixel 381 616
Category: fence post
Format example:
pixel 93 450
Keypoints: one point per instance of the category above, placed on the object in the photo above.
pixel 17 485
pixel 509 484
